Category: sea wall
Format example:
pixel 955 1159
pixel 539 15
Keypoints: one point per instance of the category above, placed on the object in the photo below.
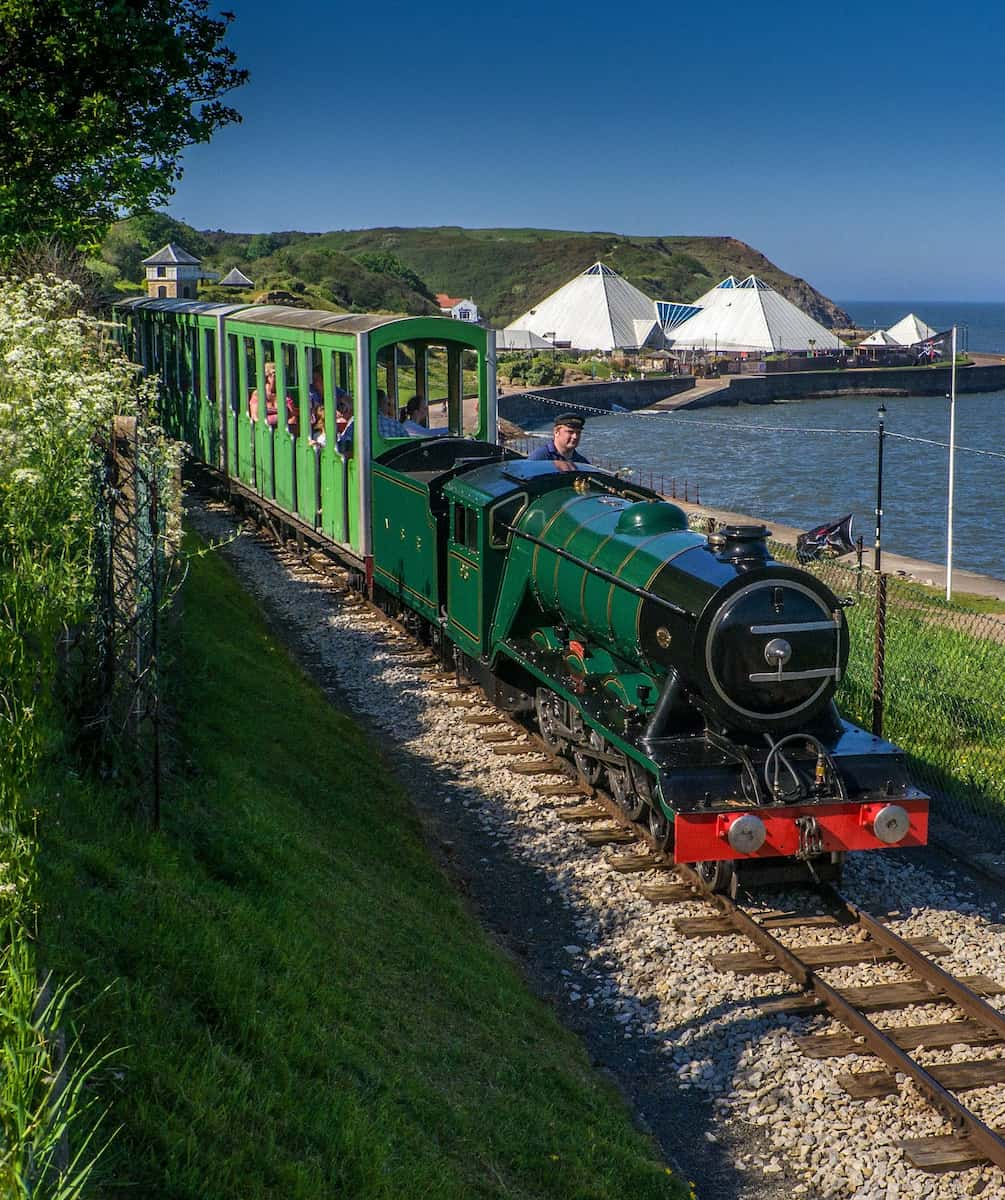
pixel 910 381
pixel 523 409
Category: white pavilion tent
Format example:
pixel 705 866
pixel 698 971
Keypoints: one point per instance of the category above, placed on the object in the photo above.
pixel 598 310
pixel 911 330
pixel 751 317
pixel 879 338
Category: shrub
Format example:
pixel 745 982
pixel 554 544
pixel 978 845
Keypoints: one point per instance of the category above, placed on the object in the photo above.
pixel 62 382
pixel 544 372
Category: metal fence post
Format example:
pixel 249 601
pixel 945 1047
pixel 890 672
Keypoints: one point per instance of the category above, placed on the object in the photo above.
pixel 878 658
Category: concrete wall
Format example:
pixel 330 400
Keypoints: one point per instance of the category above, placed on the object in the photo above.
pixel 909 381
pixel 524 410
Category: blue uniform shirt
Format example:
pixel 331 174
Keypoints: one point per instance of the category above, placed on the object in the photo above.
pixel 544 453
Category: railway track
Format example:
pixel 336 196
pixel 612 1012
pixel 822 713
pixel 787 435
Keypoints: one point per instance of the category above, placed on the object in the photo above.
pixel 864 939
pixel 851 935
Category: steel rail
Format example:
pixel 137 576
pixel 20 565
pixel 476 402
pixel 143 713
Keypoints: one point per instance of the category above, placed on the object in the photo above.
pixel 965 1123
pixel 972 1004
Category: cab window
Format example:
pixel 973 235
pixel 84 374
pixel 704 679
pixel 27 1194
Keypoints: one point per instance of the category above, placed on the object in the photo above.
pixel 466 527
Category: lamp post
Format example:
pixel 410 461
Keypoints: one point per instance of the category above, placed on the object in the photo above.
pixel 811 342
pixel 881 413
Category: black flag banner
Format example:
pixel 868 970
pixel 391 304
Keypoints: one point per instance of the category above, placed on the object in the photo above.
pixel 825 541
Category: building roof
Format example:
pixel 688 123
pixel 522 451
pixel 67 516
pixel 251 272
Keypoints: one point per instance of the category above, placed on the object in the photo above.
pixel 750 316
pixel 171 254
pixel 596 310
pixel 910 330
pixel 235 278
pixel 445 301
pixel 520 339
pixel 879 338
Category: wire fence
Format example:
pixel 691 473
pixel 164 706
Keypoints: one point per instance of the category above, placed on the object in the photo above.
pixel 137 575
pixel 931 675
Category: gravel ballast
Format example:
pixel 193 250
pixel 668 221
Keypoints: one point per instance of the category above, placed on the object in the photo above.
pixel 733 1103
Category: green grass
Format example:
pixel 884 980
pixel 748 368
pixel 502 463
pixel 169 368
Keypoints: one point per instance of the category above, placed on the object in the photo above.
pixel 306 1007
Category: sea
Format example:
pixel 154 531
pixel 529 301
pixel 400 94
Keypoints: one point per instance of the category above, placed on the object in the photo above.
pixel 805 462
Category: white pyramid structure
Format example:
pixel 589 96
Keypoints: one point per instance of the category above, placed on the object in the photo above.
pixel 598 310
pixel 910 330
pixel 879 338
pixel 751 317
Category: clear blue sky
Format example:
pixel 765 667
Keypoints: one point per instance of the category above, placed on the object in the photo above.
pixel 857 145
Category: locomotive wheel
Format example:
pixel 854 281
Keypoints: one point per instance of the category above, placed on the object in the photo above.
pixel 589 767
pixel 545 705
pixel 715 875
pixel 625 791
pixel 660 829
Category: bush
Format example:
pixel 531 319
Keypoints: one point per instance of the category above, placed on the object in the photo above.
pixel 61 384
pixel 544 372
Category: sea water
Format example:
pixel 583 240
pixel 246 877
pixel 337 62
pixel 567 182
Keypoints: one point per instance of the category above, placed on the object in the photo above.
pixel 805 462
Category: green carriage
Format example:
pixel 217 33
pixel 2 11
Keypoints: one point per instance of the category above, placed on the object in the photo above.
pixel 212 360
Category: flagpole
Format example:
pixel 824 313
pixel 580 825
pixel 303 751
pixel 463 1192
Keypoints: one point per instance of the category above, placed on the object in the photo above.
pixel 952 474
pixel 877 554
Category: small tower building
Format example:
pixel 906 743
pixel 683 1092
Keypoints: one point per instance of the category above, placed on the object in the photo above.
pixel 173 274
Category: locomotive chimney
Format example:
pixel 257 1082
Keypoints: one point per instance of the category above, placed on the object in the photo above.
pixel 744 545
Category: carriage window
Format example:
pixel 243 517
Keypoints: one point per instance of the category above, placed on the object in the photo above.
pixel 250 372
pixel 387 376
pixel 291 383
pixel 342 370
pixel 437 385
pixel 504 514
pixel 469 385
pixel 209 358
pixel 192 357
pixel 407 377
pixel 232 369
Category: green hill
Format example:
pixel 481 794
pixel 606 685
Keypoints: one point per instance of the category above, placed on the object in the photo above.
pixel 505 271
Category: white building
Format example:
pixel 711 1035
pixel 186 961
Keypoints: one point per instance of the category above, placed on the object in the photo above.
pixel 598 310
pixel 460 310
pixel 173 274
pixel 751 317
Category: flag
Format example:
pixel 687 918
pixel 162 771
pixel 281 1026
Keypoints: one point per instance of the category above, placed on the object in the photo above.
pixel 825 541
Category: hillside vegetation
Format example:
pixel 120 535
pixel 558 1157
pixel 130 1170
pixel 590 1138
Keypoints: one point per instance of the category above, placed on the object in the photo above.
pixel 505 271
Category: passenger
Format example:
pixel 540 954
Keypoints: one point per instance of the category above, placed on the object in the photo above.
pixel 416 419
pixel 272 402
pixel 387 425
pixel 343 410
pixel 316 397
pixel 562 448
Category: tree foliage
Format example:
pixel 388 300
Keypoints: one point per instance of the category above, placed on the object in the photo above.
pixel 97 100
pixel 385 263
pixel 128 243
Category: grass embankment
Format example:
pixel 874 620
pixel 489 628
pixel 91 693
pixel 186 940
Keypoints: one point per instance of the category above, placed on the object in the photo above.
pixel 307 1008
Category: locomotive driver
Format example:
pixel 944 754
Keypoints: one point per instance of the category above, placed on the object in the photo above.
pixel 562 448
